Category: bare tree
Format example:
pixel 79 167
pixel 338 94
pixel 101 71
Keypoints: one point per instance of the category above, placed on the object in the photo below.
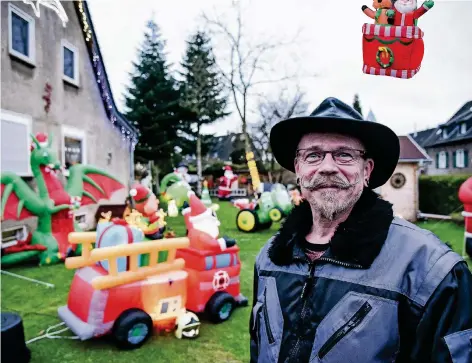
pixel 272 111
pixel 247 63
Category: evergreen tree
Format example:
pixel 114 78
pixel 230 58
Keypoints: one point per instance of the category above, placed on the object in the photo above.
pixel 357 105
pixel 153 102
pixel 202 90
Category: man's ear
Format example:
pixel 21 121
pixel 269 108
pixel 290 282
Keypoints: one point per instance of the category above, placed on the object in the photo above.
pixel 368 168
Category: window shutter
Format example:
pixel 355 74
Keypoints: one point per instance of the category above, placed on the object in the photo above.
pixel 454 159
pixel 437 160
pixel 466 158
pixel 447 159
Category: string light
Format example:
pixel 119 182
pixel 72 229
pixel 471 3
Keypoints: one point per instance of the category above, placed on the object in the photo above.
pixel 101 81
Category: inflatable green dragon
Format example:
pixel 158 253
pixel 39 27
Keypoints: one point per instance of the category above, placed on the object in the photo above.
pixel 53 205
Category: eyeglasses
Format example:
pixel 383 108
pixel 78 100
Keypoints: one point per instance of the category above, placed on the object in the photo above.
pixel 341 156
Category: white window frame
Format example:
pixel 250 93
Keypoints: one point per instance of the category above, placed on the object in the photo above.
pixel 24 120
pixel 442 160
pixel 69 131
pixel 75 80
pixel 460 156
pixel 463 128
pixel 31 59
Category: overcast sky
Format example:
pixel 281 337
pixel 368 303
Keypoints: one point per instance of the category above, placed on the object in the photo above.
pixel 330 45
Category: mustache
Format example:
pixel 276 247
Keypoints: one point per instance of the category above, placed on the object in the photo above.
pixel 318 182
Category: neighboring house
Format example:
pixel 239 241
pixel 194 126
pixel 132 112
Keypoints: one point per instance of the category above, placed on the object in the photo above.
pixel 53 80
pixel 402 188
pixel 226 146
pixel 449 144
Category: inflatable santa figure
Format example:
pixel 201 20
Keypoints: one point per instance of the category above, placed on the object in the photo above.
pixel 226 183
pixel 203 227
pixel 407 12
pixel 147 204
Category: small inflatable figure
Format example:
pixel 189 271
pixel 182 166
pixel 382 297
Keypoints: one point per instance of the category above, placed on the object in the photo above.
pixel 226 183
pixel 383 14
pixel 147 204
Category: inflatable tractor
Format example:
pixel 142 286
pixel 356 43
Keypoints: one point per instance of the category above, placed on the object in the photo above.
pixel 258 214
pixel 281 199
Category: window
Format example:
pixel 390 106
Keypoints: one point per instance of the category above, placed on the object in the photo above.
pixel 70 63
pixel 15 143
pixel 442 160
pixel 460 158
pixel 73 146
pixel 463 128
pixel 21 34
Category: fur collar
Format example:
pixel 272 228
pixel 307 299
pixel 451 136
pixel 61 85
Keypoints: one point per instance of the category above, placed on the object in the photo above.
pixel 357 240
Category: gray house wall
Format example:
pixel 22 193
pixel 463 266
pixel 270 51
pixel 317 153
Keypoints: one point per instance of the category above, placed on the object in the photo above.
pixel 22 89
pixel 80 107
pixel 432 168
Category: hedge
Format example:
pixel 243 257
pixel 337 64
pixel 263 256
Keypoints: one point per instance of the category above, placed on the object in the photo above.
pixel 438 194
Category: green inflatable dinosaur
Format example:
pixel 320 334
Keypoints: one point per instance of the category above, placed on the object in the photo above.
pixel 54 205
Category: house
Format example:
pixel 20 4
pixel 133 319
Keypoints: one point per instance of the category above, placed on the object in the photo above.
pixel 53 80
pixel 449 144
pixel 402 188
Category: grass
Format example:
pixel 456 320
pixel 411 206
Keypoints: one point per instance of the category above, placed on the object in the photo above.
pixel 227 342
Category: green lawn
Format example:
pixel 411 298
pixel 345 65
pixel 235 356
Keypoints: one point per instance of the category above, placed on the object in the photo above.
pixel 227 342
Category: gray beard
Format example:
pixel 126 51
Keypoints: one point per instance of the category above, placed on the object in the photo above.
pixel 330 206
pixel 405 9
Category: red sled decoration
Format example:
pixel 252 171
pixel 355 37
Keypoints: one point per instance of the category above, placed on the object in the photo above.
pixel 394 51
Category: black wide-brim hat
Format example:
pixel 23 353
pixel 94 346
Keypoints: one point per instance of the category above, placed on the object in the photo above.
pixel 334 116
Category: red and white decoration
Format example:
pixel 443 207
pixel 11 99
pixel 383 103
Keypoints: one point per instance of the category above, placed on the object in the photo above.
pixel 203 226
pixel 228 182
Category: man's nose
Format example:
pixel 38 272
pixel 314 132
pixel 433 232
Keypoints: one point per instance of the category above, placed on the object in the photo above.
pixel 328 165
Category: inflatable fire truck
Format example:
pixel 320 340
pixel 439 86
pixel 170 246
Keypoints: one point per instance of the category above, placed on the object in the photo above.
pixel 113 292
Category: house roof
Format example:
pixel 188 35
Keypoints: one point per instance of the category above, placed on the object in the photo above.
pixel 115 117
pixel 448 132
pixel 410 151
pixel 225 145
pixel 422 137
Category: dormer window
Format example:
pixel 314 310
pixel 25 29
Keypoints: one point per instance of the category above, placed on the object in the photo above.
pixel 463 128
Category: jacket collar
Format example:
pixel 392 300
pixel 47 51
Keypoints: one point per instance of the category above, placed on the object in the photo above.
pixel 357 240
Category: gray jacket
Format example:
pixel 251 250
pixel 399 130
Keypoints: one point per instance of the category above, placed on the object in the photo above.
pixel 385 291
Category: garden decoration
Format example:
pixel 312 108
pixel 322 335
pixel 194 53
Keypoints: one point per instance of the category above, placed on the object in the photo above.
pixel 225 188
pixel 395 50
pixel 295 196
pixel 281 199
pixel 54 205
pixel 174 187
pixel 206 199
pixel 212 263
pixel 128 304
pixel 260 212
pixel 383 14
pixel 147 204
pixel 465 196
pixel 172 210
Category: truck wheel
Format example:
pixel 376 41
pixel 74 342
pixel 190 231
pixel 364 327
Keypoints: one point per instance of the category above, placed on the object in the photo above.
pixel 132 329
pixel 276 214
pixel 246 220
pixel 265 225
pixel 220 307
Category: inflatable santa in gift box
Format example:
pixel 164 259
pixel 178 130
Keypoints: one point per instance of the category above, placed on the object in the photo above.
pixel 147 204
pixel 212 263
pixel 228 182
pixel 397 50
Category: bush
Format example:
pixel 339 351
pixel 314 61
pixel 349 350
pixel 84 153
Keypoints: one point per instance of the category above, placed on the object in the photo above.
pixel 458 218
pixel 438 194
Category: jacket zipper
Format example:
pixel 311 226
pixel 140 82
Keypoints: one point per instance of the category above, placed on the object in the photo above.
pixel 306 289
pixel 345 329
pixel 270 336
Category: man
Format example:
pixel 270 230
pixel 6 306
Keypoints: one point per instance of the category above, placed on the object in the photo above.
pixel 343 280
pixel 407 12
